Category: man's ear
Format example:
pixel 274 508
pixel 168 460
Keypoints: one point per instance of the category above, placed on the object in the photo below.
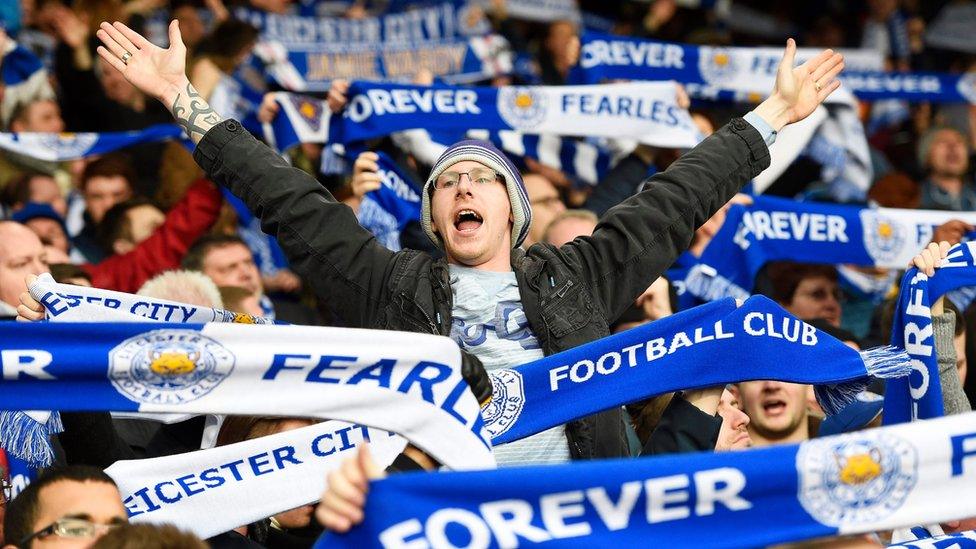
pixel 121 246
pixel 433 226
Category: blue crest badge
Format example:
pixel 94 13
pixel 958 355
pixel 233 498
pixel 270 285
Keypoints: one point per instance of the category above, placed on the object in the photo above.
pixel 507 401
pixel 717 65
pixel 522 107
pixel 168 366
pixel 884 237
pixel 855 478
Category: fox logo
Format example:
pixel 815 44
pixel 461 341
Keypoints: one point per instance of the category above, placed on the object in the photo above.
pixel 173 363
pixel 859 468
pixel 243 318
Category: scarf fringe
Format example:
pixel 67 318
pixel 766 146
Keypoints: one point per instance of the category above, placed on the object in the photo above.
pixel 27 439
pixel 887 362
pixel 884 362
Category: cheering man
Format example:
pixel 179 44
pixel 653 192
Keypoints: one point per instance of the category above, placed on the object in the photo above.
pixel 503 305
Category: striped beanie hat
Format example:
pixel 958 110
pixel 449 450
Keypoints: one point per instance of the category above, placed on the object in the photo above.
pixel 484 153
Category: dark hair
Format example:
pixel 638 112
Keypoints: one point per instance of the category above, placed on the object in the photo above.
pixel 23 510
pixel 193 260
pixel 17 191
pixel 116 224
pixel 148 536
pixel 22 109
pixel 226 41
pixel 61 272
pixel 785 276
pixel 110 165
pixel 236 429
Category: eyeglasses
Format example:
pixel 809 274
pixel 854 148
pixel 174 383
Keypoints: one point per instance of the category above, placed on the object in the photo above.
pixel 478 176
pixel 69 528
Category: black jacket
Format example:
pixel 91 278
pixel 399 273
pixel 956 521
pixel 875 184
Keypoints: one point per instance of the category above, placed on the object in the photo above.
pixel 570 295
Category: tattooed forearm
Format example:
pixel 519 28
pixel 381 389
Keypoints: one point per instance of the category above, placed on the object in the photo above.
pixel 193 112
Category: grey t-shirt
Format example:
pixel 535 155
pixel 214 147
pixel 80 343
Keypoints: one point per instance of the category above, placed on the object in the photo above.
pixel 490 324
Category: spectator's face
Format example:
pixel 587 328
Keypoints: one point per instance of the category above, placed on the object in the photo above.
pixel 55 255
pixel 776 410
pixel 45 190
pixel 816 297
pixel 948 155
pixel 21 254
pixel 41 116
pixel 191 26
pixel 567 229
pixel 50 232
pixel 734 433
pixel 299 517
pixel 95 502
pixel 472 240
pixel 546 205
pixel 143 222
pixel 101 193
pixel 116 87
pixel 233 265
pixel 561 34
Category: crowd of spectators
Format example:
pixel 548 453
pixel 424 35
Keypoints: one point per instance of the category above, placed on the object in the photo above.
pixel 146 219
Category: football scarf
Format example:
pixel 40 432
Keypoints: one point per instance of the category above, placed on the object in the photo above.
pixel 645 111
pixel 710 345
pixel 959 540
pixel 56 147
pixel 406 383
pixel 919 396
pixel 70 303
pixel 775 229
pixel 716 72
pixel 247 481
pixel 867 481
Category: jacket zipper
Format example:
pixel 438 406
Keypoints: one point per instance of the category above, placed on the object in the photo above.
pixel 564 288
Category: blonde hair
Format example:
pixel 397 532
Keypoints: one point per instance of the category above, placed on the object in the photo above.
pixel 191 287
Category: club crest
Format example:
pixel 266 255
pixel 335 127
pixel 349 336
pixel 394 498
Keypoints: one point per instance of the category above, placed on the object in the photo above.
pixel 168 366
pixel 717 65
pixel 855 478
pixel 884 238
pixel 507 401
pixel 523 108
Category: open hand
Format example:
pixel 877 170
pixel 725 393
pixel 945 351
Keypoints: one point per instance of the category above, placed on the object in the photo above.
pixel 799 90
pixel 157 72
pixel 365 176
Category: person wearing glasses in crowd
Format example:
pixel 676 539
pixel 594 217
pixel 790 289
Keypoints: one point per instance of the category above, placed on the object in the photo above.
pixel 504 306
pixel 67 507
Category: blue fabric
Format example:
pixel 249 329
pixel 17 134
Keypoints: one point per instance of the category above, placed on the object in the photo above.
pixel 775 229
pixel 919 396
pixel 607 57
pixel 706 346
pixel 19 65
pixel 69 146
pixel 925 540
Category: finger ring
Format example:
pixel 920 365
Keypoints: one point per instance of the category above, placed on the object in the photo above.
pixel 817 85
pixel 126 56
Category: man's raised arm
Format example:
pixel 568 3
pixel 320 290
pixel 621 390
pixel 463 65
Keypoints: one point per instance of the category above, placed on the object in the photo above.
pixel 639 238
pixel 321 237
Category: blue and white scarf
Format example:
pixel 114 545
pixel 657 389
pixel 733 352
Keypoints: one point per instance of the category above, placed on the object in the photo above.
pixel 867 481
pixel 545 11
pixel 406 383
pixel 716 72
pixel 645 111
pixel 919 396
pixel 56 147
pixel 707 346
pixel 774 229
pixel 959 540
pixel 247 481
pixel 24 78
pixel 388 209
pixel 305 53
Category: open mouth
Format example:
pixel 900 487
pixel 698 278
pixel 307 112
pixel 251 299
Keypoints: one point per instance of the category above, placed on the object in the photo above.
pixel 467 220
pixel 774 407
